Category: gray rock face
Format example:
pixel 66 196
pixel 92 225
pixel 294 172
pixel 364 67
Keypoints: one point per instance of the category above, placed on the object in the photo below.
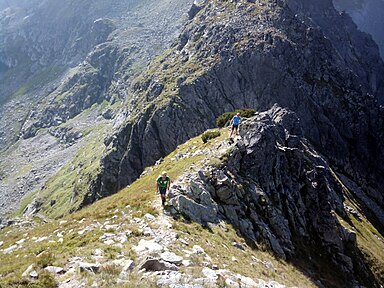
pixel 152 264
pixel 171 258
pixel 298 57
pixel 368 17
pixel 54 269
pixel 275 188
pixel 38 42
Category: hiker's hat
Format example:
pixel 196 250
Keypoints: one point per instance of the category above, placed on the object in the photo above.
pixel 238 114
pixel 164 173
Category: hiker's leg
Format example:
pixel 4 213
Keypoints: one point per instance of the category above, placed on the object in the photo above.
pixel 162 194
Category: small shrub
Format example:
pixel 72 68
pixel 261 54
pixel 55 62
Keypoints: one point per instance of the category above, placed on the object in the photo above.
pixel 226 117
pixel 111 252
pixel 111 269
pixel 210 135
pixel 45 280
pixel 45 259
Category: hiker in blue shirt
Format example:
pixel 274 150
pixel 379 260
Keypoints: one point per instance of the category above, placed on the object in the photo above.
pixel 235 122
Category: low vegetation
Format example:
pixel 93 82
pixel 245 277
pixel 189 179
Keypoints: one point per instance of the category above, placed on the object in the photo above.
pixel 137 200
pixel 210 135
pixel 64 192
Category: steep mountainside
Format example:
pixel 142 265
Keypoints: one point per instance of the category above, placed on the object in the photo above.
pixel 305 57
pixel 70 109
pixel 266 191
pixel 367 14
pixel 274 188
pixel 304 180
pixel 40 41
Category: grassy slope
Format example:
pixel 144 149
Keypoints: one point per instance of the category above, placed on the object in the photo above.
pixel 137 200
pixel 68 187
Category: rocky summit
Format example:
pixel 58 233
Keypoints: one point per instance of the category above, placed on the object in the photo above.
pixel 97 99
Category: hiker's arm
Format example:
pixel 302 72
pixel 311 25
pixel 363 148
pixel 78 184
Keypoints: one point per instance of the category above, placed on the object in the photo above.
pixel 157 187
pixel 169 184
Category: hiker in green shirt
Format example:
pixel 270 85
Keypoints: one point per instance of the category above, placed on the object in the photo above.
pixel 163 183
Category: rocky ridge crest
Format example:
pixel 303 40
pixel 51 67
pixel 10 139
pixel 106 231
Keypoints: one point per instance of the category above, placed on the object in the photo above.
pixel 269 184
pixel 274 188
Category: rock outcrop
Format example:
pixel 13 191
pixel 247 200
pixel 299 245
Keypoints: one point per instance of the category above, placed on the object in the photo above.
pixel 276 189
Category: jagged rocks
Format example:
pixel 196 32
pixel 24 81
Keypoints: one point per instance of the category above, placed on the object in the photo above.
pixel 66 135
pixel 27 271
pixel 127 265
pixel 193 210
pixel 148 246
pixel 33 274
pixel 92 73
pixel 32 208
pixel 273 187
pixel 153 264
pixel 89 267
pixel 54 269
pixel 171 258
pixel 195 8
pixel 291 53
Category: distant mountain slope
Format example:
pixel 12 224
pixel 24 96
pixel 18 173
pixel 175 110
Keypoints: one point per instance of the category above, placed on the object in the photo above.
pixel 368 15
pixel 40 41
pixel 304 56
pixel 56 76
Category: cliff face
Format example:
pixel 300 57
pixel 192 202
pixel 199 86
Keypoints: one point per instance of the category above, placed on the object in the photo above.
pixel 368 17
pixel 256 54
pixel 39 41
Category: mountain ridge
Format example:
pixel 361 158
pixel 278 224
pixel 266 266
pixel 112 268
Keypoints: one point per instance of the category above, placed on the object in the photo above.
pixel 304 181
pixel 141 144
pixel 122 234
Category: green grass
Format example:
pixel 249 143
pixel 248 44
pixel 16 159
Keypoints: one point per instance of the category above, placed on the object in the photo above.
pixel 141 198
pixel 369 241
pixel 217 243
pixel 73 181
pixel 45 76
pixel 69 185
